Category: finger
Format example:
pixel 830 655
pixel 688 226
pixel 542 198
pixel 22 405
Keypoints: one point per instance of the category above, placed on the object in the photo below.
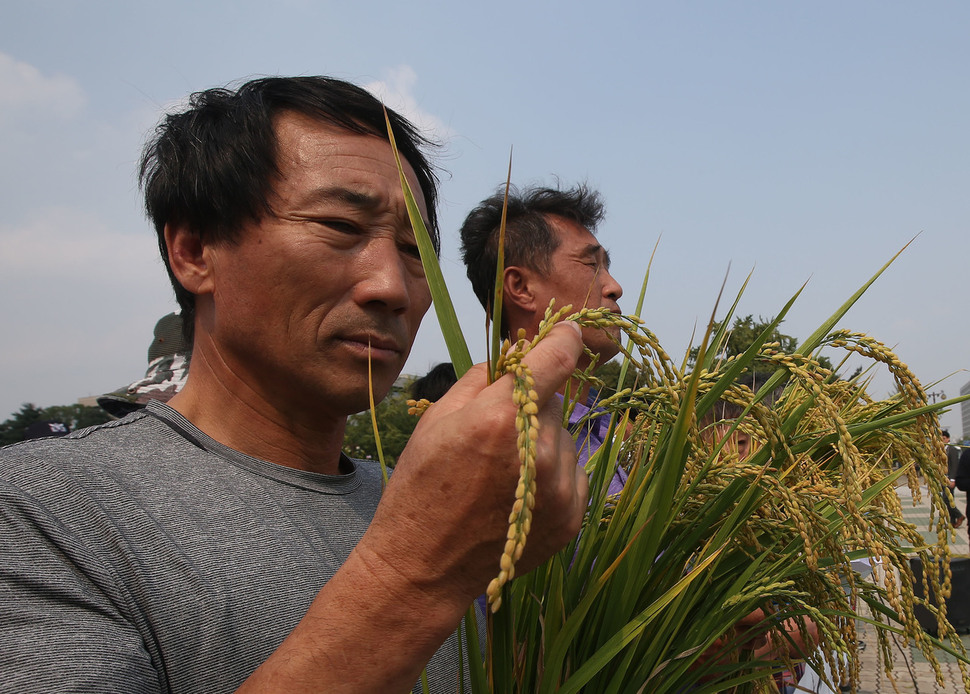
pixel 554 359
pixel 467 387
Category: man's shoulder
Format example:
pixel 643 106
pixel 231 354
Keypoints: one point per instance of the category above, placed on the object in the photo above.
pixel 127 447
pixel 78 441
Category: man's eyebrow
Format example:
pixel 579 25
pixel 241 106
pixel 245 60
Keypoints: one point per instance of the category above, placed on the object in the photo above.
pixel 341 194
pixel 354 198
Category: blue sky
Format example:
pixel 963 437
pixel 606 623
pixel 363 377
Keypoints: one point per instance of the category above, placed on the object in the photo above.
pixel 799 142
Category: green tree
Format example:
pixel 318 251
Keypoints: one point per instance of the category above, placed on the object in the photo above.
pixel 609 373
pixel 744 332
pixel 15 428
pixel 75 416
pixel 394 424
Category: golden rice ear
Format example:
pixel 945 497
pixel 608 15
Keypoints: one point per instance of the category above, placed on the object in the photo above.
pixel 418 407
pixel 814 486
pixel 527 425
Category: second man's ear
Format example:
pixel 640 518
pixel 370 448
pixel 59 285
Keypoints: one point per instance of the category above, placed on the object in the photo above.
pixel 517 288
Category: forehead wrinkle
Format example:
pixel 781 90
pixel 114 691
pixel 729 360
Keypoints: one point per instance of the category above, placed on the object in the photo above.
pixel 353 197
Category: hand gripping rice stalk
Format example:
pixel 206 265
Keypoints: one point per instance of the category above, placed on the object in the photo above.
pixel 527 426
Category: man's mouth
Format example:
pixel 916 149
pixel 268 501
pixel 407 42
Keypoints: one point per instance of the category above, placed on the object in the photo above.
pixel 379 346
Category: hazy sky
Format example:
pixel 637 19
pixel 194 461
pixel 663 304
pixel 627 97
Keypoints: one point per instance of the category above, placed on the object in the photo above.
pixel 799 142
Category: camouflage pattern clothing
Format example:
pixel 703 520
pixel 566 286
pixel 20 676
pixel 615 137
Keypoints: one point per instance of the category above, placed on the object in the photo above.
pixel 168 366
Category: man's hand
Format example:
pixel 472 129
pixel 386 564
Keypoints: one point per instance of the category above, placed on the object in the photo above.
pixel 792 645
pixel 749 633
pixel 454 485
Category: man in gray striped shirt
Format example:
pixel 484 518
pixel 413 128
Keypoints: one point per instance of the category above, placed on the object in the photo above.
pixel 221 542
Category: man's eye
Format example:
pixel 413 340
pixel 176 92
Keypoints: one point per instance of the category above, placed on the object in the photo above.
pixel 411 250
pixel 340 225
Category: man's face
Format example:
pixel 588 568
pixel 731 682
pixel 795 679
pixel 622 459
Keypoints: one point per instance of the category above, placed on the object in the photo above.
pixel 739 441
pixel 331 276
pixel 579 275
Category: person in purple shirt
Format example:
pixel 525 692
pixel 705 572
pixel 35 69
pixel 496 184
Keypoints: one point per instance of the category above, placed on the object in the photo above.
pixel 590 434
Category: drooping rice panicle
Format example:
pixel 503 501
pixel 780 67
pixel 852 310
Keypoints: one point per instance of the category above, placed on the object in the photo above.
pixel 660 574
pixel 527 427
pixel 816 492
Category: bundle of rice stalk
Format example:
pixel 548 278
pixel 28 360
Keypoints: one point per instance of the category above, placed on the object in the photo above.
pixel 649 596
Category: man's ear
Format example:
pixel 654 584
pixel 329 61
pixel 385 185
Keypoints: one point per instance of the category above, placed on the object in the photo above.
pixel 188 259
pixel 518 290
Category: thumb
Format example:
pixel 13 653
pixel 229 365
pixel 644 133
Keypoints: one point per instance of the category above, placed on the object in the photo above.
pixel 554 359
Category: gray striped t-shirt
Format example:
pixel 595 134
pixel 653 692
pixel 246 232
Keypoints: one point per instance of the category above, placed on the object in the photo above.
pixel 143 556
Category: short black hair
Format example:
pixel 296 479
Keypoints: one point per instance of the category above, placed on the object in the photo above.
pixel 212 166
pixel 435 383
pixel 529 239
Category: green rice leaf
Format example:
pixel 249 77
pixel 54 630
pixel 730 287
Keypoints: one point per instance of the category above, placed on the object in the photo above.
pixel 443 306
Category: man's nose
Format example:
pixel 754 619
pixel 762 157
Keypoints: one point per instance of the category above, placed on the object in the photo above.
pixel 383 277
pixel 611 288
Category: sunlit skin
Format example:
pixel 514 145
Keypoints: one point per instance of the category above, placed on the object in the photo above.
pixel 578 275
pixel 286 316
pixel 739 442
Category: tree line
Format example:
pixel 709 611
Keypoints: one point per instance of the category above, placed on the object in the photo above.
pixel 74 416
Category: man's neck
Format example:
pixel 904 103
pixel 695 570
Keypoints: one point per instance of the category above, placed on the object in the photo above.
pixel 233 415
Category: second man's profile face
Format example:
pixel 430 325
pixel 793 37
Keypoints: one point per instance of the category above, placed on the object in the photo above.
pixel 331 278
pixel 580 275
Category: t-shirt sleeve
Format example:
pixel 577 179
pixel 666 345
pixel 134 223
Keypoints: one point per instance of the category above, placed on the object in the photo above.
pixel 64 622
